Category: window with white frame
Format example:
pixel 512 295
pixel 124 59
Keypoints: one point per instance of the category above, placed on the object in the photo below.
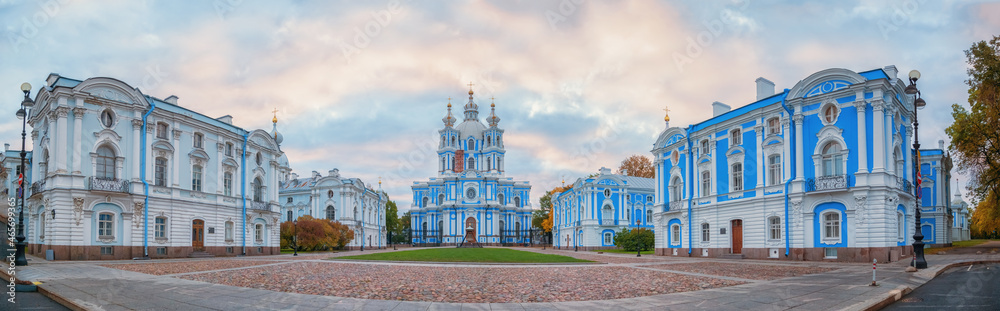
pixel 107 118
pixel 737 173
pixel 259 159
pixel 229 149
pixel 900 226
pixel 833 160
pixel 196 174
pixel 675 234
pixel 830 253
pixel 736 137
pixel 706 183
pixel 106 225
pixel 258 190
pixel 160 172
pixel 773 126
pixel 830 113
pixel 676 189
pixel 608 239
pixel 259 233
pixel 161 130
pixel 229 230
pixel 705 148
pixel 471 163
pixel 649 216
pixel 774 228
pixel 900 162
pixel 199 140
pixel 607 213
pixel 290 215
pixel 105 163
pixel 706 234
pixel 607 193
pixel 831 225
pixel 517 202
pixel 160 228
pixel 471 145
pixel 774 172
pixel 441 198
pixel 227 183
pixel 331 213
pixel 41 227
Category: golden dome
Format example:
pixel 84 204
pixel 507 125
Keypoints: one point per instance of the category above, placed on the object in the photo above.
pixel 666 116
pixel 470 92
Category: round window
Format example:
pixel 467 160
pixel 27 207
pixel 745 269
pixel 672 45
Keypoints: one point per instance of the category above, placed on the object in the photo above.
pixel 107 118
pixel 259 159
pixel 471 193
pixel 607 192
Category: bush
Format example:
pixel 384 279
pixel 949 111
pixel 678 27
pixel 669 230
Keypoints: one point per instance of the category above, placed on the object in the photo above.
pixel 633 240
pixel 315 234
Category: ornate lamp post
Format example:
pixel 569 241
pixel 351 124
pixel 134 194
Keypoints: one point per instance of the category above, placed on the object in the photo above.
pixel 918 245
pixel 295 237
pixel 27 103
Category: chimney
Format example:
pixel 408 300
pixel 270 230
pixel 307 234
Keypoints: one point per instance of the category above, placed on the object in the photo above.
pixel 941 144
pixel 765 88
pixel 334 172
pixel 172 99
pixel 625 171
pixel 227 119
pixel 316 175
pixel 605 171
pixel 890 71
pixel 6 147
pixel 719 108
pixel 295 176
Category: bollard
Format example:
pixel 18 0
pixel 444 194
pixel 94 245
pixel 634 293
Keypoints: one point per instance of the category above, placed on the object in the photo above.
pixel 873 272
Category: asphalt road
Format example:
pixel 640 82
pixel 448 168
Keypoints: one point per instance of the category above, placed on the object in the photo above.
pixel 33 301
pixel 962 288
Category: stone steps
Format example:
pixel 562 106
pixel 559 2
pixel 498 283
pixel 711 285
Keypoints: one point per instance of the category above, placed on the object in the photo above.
pixel 200 254
pixel 732 256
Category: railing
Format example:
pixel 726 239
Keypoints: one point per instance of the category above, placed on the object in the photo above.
pixel 828 183
pixel 676 205
pixel 112 185
pixel 904 185
pixel 37 187
pixel 263 206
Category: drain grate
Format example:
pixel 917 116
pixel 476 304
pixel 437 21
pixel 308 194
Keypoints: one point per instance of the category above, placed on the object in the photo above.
pixel 912 299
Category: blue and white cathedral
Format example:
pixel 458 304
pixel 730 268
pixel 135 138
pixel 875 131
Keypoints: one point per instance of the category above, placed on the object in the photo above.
pixel 471 192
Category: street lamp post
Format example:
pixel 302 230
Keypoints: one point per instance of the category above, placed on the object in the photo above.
pixel 918 245
pixel 295 237
pixel 27 103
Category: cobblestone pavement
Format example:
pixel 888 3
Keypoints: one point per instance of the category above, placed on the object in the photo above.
pixel 745 271
pixel 162 268
pixel 460 283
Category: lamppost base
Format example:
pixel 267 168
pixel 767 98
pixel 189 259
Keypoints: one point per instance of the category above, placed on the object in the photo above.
pixel 19 259
pixel 918 256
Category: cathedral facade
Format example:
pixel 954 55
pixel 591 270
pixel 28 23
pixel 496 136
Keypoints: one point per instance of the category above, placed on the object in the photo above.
pixel 821 171
pixel 471 197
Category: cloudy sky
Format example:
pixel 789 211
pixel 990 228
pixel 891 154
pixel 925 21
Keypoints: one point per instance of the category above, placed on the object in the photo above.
pixel 578 84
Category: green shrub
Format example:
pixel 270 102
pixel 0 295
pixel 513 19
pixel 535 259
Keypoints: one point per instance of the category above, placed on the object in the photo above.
pixel 632 240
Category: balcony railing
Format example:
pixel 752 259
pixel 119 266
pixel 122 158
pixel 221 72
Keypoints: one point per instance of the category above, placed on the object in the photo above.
pixel 904 185
pixel 828 183
pixel 263 206
pixel 37 187
pixel 112 185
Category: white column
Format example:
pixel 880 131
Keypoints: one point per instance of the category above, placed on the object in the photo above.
pixel 759 129
pixel 220 171
pixel 150 154
pixel 860 106
pixel 136 148
pixel 61 113
pixel 176 177
pixel 787 148
pixel 879 135
pixel 907 153
pixel 78 153
pixel 799 167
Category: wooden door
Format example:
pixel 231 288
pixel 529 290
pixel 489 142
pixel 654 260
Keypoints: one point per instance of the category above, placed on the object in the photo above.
pixel 737 236
pixel 198 235
pixel 470 229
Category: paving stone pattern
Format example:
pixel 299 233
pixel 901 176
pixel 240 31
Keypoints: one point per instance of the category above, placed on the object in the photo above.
pixel 163 268
pixel 744 271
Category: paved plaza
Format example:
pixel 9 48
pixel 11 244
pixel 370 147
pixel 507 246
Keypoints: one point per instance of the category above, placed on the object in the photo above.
pixel 615 281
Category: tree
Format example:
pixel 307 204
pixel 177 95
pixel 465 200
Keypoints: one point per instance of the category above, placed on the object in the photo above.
pixel 404 221
pixel 539 216
pixel 975 138
pixel 632 240
pixel 985 222
pixel 637 166
pixel 315 234
pixel 547 224
pixel 392 218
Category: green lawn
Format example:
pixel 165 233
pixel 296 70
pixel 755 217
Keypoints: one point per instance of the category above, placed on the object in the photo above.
pixel 289 251
pixel 955 245
pixel 622 251
pixel 450 254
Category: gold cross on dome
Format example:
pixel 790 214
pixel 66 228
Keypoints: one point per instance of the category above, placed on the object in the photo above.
pixel 275 111
pixel 470 85
pixel 667 109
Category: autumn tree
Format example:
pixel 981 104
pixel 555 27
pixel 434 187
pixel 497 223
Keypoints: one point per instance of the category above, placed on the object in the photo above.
pixel 985 222
pixel 637 166
pixel 309 233
pixel 975 138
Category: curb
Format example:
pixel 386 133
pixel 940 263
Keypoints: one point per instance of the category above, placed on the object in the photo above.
pixel 60 299
pixel 900 291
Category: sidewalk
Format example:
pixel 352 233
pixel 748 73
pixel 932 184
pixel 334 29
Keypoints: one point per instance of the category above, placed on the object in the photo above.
pixel 92 287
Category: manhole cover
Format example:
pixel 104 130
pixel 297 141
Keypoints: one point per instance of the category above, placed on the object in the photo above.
pixel 912 299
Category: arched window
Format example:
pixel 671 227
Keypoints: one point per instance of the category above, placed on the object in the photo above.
pixel 160 172
pixel 105 163
pixel 833 160
pixel 106 226
pixel 196 178
pixel 259 159
pixel 453 141
pixel 608 238
pixel 774 172
pixel 499 163
pixel 675 234
pixel 290 215
pixel 442 164
pixel 774 228
pixel 831 225
pixel 227 183
pixel 331 213
pixel 471 145
pixel 900 162
pixel 489 141
pixel 500 198
pixel 900 226
pixel 676 189
pixel 517 202
pixel 424 202
pixel 160 228
pixel 471 163
pixel 229 230
pixel 607 213
pixel 706 183
pixel 440 199
pixel 737 172
pixel 649 216
pixel 258 190
pixel 489 164
pixel 706 234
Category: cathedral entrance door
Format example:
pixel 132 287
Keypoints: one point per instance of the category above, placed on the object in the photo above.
pixel 470 230
pixel 198 235
pixel 737 236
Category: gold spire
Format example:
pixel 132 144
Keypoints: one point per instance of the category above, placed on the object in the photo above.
pixel 449 102
pixel 275 119
pixel 666 116
pixel 491 102
pixel 380 181
pixel 470 88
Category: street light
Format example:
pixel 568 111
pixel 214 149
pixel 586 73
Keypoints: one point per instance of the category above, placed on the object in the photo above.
pixel 295 237
pixel 918 245
pixel 27 103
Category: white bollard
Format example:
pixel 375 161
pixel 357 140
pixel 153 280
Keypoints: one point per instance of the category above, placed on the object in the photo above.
pixel 873 272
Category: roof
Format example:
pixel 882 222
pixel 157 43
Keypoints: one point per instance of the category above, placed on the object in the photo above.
pixel 297 184
pixel 472 128
pixel 638 182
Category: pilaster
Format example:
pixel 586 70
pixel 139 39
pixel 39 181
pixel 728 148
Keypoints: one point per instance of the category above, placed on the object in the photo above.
pixel 78 153
pixel 61 113
pixel 799 167
pixel 879 136
pixel 860 105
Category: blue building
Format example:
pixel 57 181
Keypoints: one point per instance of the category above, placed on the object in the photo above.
pixel 347 200
pixel 593 209
pixel 471 191
pixel 821 171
